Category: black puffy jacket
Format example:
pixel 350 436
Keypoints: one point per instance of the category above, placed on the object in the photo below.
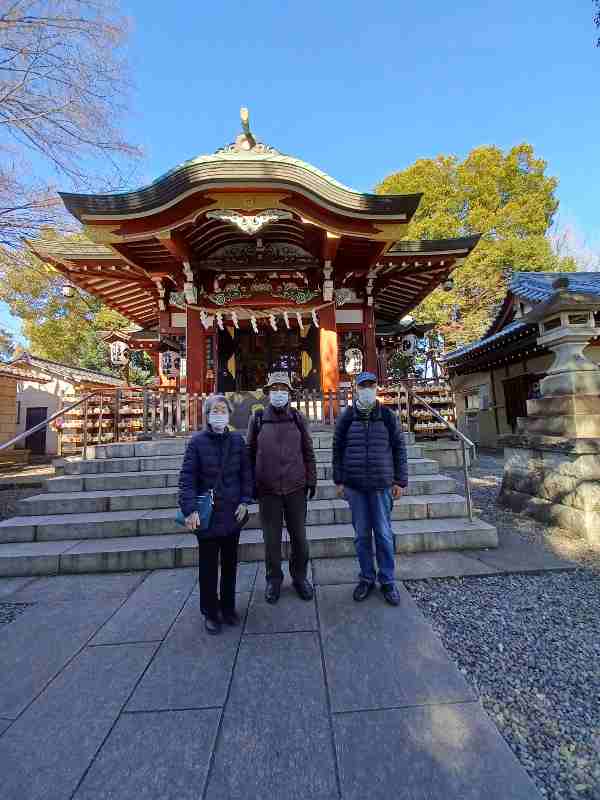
pixel 200 472
pixel 369 454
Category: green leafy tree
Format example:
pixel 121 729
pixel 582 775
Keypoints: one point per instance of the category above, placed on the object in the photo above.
pixel 509 199
pixel 7 345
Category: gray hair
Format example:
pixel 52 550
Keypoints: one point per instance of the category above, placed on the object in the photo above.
pixel 212 400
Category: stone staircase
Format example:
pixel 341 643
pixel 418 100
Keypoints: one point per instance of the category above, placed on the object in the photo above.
pixel 116 512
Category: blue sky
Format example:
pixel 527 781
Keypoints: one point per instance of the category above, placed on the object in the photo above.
pixel 362 90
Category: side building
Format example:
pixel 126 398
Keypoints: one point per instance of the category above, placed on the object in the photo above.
pixel 43 390
pixel 493 378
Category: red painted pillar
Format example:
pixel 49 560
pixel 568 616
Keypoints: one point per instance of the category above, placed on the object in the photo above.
pixel 370 342
pixel 195 347
pixel 330 375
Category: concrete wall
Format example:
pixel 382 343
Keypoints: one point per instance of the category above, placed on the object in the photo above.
pixel 46 395
pixel 8 409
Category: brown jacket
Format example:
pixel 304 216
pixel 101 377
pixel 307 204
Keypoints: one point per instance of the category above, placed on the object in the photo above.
pixel 282 455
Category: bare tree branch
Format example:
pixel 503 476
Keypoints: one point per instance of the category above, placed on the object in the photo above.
pixel 63 94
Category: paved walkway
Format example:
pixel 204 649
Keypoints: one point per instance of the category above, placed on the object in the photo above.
pixel 111 689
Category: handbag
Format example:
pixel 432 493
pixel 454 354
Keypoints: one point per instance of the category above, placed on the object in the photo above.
pixel 205 502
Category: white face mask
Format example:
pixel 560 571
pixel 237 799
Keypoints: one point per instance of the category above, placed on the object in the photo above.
pixel 367 395
pixel 217 421
pixel 279 399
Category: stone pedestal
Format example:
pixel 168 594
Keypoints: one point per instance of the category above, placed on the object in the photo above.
pixel 552 463
pixel 555 479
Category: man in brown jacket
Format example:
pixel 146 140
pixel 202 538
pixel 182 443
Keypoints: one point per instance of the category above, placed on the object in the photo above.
pixel 285 474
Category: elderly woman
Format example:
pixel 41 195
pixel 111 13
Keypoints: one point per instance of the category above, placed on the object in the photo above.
pixel 217 459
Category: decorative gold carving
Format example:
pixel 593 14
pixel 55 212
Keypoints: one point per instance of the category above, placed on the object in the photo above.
pixel 249 223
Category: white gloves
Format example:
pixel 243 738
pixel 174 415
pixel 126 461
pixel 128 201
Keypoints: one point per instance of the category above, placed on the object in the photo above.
pixel 241 512
pixel 193 521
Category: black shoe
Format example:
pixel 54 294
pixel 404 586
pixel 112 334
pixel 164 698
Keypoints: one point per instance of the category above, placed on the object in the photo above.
pixel 231 618
pixel 362 591
pixel 304 589
pixel 212 626
pixel 391 594
pixel 272 592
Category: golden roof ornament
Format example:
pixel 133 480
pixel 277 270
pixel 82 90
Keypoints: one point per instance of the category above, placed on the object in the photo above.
pixel 246 142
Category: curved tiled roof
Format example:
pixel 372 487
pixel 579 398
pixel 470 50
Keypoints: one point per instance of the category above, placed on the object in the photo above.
pixel 222 169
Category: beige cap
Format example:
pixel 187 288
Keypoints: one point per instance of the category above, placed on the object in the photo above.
pixel 278 377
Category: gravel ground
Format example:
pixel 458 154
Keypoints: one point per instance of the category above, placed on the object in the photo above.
pixel 530 644
pixel 10 611
pixel 486 479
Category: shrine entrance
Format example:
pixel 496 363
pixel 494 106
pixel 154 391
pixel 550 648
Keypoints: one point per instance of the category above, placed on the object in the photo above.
pixel 246 358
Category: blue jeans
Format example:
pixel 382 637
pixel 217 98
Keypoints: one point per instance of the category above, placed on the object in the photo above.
pixel 372 513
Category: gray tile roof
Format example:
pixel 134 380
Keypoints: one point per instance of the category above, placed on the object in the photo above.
pixel 481 343
pixel 72 374
pixel 533 287
pixel 537 287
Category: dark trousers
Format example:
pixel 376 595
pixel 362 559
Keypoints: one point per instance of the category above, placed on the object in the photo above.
pixel 273 509
pixel 209 551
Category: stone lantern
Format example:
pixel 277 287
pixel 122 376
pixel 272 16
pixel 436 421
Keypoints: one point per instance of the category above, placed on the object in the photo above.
pixel 567 324
pixel 552 464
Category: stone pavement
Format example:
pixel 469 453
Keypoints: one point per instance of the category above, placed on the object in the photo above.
pixel 112 689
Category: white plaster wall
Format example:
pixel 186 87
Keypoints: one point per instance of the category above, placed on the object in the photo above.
pixel 48 395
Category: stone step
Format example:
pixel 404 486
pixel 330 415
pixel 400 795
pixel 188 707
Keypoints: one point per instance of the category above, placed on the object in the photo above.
pixel 147 498
pixel 146 479
pixel 179 550
pixel 168 476
pixel 112 524
pixel 176 446
pixel 158 463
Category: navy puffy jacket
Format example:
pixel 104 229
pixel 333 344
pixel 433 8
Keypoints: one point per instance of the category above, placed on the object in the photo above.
pixel 200 471
pixel 365 456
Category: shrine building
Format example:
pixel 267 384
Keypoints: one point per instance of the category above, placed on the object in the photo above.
pixel 247 261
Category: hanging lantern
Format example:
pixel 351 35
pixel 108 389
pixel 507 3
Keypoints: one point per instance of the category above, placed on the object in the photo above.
pixel 299 318
pixel 315 318
pixel 272 321
pixel 68 291
pixel 448 284
pixel 286 319
pixel 119 353
pixel 234 318
pixel 253 323
pixel 220 321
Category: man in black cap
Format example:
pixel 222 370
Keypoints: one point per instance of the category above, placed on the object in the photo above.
pixel 370 471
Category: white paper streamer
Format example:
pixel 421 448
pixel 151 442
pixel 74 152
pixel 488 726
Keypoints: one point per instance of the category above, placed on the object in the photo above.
pixel 234 317
pixel 273 322
pixel 253 323
pixel 315 319
pixel 286 319
pixel 299 318
pixel 220 321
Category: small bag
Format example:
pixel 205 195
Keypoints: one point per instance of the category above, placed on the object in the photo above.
pixel 204 506
pixel 205 503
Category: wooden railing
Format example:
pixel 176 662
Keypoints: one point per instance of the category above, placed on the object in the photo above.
pixel 132 414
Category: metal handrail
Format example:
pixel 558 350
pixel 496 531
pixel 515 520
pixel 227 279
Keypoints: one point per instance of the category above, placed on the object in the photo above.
pixel 46 422
pixel 466 442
